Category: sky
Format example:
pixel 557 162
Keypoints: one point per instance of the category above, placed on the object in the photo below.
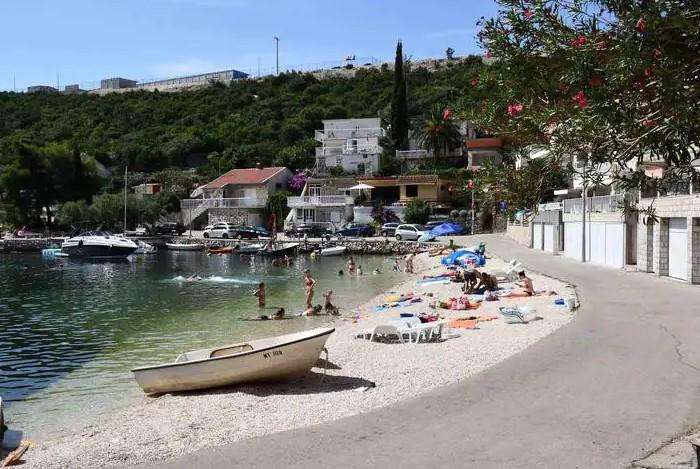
pixel 83 41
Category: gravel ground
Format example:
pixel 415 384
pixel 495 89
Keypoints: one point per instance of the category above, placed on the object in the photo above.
pixel 172 425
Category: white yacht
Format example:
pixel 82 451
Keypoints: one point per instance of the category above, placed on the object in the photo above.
pixel 98 244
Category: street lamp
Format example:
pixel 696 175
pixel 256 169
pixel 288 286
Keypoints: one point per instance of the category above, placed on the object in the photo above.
pixel 277 53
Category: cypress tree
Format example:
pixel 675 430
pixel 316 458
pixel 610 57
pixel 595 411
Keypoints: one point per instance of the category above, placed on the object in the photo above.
pixel 399 104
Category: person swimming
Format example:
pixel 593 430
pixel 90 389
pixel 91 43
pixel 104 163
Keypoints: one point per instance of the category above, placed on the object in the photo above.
pixel 279 314
pixel 376 272
pixel 313 311
pixel 340 273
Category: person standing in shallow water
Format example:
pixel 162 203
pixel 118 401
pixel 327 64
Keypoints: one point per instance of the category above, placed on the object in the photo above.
pixel 260 293
pixel 309 284
pixel 351 265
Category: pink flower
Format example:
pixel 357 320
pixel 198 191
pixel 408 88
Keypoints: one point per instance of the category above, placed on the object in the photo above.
pixel 528 14
pixel 474 82
pixel 579 41
pixel 488 54
pixel 581 99
pixel 646 122
pixel 641 25
pixel 648 72
pixel 657 53
pixel 447 114
pixel 515 109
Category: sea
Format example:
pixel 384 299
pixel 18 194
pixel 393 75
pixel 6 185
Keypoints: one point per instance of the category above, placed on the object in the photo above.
pixel 71 330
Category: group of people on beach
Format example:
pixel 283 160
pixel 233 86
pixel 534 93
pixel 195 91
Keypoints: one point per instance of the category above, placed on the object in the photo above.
pixel 480 283
pixel 310 309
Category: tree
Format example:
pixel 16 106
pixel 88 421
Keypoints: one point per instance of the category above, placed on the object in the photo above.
pixel 609 83
pixel 450 53
pixel 399 103
pixel 277 205
pixel 417 211
pixel 439 133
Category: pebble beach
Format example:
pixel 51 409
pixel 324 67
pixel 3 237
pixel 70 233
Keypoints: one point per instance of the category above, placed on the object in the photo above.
pixel 360 376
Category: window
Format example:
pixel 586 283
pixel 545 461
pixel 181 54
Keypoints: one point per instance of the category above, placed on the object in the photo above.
pixel 278 185
pixel 412 191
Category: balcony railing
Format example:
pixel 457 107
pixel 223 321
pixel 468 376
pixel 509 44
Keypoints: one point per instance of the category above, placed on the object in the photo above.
pixel 319 201
pixel 358 132
pixel 243 202
pixel 347 150
pixel 600 204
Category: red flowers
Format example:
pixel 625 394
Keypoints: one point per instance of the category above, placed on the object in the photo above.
pixel 579 42
pixel 657 53
pixel 648 72
pixel 646 122
pixel 641 25
pixel 515 109
pixel 528 14
pixel 474 82
pixel 488 54
pixel 447 114
pixel 581 99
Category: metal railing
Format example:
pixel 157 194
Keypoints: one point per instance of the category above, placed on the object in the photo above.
pixel 348 150
pixel 318 201
pixel 242 202
pixel 357 132
pixel 599 204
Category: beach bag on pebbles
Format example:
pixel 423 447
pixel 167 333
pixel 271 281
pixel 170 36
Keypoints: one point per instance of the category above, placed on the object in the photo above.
pixel 518 314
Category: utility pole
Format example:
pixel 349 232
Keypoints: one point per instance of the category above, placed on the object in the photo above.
pixel 277 53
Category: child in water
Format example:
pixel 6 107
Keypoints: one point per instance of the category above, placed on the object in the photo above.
pixel 260 293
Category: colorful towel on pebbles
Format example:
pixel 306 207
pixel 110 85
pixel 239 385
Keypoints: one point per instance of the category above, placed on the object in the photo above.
pixel 470 322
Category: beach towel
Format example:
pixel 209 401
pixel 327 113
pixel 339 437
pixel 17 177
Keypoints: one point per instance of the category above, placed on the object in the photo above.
pixel 398 298
pixel 426 281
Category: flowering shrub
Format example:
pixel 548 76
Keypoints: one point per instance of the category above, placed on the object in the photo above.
pixel 297 182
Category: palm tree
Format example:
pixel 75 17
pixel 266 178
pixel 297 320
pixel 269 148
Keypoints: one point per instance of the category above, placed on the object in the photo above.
pixel 439 133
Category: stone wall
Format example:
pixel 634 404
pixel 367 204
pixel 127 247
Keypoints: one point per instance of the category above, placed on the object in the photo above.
pixel 520 233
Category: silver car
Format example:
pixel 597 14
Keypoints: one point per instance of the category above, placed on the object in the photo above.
pixel 220 230
pixel 409 232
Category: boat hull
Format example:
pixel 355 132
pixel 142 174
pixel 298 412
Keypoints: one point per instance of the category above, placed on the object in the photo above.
pixel 273 359
pixel 98 252
pixel 336 251
pixel 286 251
pixel 184 247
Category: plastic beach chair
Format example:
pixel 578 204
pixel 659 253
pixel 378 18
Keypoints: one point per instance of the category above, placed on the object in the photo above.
pixel 387 331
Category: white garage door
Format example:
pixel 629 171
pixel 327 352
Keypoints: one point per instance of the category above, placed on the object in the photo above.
pixel 596 243
pixel 537 236
pixel 548 238
pixel 678 248
pixel 572 240
pixel 614 244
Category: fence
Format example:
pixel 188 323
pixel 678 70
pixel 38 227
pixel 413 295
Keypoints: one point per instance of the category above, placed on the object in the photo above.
pixel 599 204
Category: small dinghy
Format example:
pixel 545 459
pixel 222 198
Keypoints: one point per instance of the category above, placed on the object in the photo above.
pixel 280 250
pixel 184 247
pixel 144 248
pixel 271 359
pixel 245 248
pixel 334 251
pixel 222 250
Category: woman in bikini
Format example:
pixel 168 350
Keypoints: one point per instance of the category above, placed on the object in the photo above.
pixel 351 265
pixel 309 284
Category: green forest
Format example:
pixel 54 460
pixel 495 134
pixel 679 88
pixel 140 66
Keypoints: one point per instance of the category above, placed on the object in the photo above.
pixel 56 148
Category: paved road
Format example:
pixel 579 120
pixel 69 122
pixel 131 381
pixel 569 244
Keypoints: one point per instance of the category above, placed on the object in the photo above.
pixel 615 383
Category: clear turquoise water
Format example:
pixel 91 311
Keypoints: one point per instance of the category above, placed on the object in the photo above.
pixel 70 331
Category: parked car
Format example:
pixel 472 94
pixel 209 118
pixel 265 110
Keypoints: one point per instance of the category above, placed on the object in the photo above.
pixel 220 230
pixel 170 228
pixel 251 232
pixel 312 230
pixel 389 229
pixel 410 232
pixel 356 230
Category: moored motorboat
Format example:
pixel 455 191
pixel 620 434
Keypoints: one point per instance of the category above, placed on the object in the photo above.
pixel 184 246
pixel 145 248
pixel 333 251
pixel 100 245
pixel 270 359
pixel 279 250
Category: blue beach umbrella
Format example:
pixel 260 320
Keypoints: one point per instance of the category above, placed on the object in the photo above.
pixel 447 229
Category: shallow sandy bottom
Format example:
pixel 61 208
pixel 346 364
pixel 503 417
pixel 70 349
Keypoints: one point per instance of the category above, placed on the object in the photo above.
pixel 362 376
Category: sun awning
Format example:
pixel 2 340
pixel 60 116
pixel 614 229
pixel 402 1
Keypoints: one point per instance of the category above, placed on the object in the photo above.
pixel 361 187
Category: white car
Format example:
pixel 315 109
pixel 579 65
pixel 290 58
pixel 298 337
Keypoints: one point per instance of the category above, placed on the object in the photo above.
pixel 220 230
pixel 409 232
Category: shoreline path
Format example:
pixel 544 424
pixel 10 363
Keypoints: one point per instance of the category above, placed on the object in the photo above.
pixel 618 381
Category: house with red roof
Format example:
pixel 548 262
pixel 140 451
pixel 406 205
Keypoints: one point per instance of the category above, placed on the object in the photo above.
pixel 238 196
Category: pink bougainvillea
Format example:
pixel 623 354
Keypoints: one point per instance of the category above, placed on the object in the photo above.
pixel 528 14
pixel 447 114
pixel 515 109
pixel 581 99
pixel 579 42
pixel 297 182
pixel 641 25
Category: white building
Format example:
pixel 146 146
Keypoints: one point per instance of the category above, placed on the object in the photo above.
pixel 324 200
pixel 351 144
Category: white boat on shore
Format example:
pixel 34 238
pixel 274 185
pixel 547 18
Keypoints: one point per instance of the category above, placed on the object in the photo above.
pixel 333 251
pixel 270 359
pixel 184 246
